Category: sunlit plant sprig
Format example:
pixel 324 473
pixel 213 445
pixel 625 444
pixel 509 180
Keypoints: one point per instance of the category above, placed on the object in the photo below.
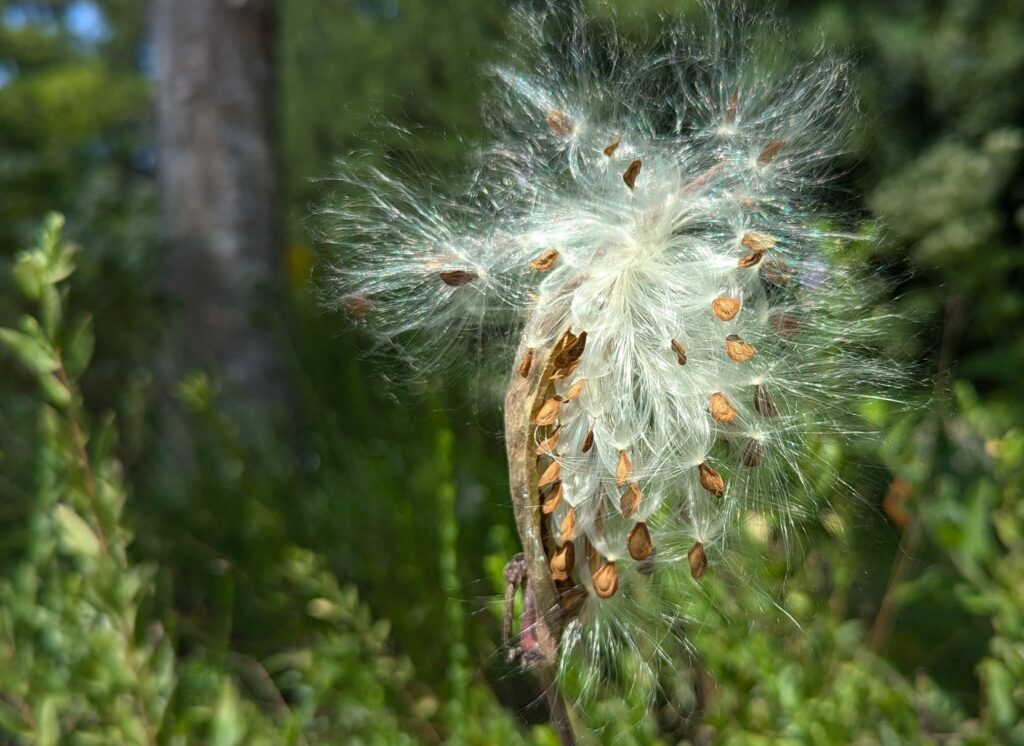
pixel 645 244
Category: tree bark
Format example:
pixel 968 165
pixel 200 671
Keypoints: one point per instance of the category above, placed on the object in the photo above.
pixel 217 168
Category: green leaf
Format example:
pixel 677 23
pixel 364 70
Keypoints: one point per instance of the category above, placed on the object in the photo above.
pixel 79 347
pixel 51 310
pixel 29 273
pixel 62 264
pixel 35 354
pixel 49 236
pixel 104 438
pixel 53 223
pixel 54 389
pixel 197 392
pixel 999 693
pixel 76 535
pixel 322 608
pixel 227 728
pixel 47 724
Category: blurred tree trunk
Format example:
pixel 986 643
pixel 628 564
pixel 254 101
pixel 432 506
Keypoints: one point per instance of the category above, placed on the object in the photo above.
pixel 218 171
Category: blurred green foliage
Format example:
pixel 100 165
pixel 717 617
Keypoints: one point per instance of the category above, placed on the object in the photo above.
pixel 338 580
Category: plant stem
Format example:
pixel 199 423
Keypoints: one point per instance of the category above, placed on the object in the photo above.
pixel 557 709
pixel 952 332
pixel 523 398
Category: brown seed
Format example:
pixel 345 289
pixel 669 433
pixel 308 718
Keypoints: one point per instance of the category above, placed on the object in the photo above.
pixel 548 413
pixel 610 149
pixel 776 273
pixel 559 123
pixel 623 468
pixel 646 567
pixel 547 446
pixel 769 151
pixel 738 350
pixel 629 503
pixel 572 351
pixel 895 503
pixel 698 561
pixel 752 453
pixel 631 172
pixel 677 347
pixel 526 363
pixel 703 180
pixel 553 500
pixel 588 440
pixel 550 475
pixel 763 402
pixel 725 308
pixel 731 108
pixel 357 305
pixel 639 543
pixel 750 260
pixel 721 409
pixel 561 373
pixel 757 242
pixel 545 261
pixel 606 580
pixel 785 324
pixel 562 561
pixel 568 526
pixel 575 390
pixel 711 480
pixel 561 343
pixel 571 602
pixel 564 341
pixel 457 277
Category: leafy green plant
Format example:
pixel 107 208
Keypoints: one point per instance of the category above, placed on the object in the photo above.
pixel 77 654
pixel 83 658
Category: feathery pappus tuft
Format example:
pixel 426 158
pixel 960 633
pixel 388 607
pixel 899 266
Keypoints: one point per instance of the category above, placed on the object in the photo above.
pixel 647 226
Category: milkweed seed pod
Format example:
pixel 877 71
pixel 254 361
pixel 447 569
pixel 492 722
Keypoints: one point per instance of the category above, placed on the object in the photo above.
pixel 647 227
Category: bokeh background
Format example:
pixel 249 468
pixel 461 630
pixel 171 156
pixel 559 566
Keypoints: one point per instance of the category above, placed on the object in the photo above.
pixel 222 523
